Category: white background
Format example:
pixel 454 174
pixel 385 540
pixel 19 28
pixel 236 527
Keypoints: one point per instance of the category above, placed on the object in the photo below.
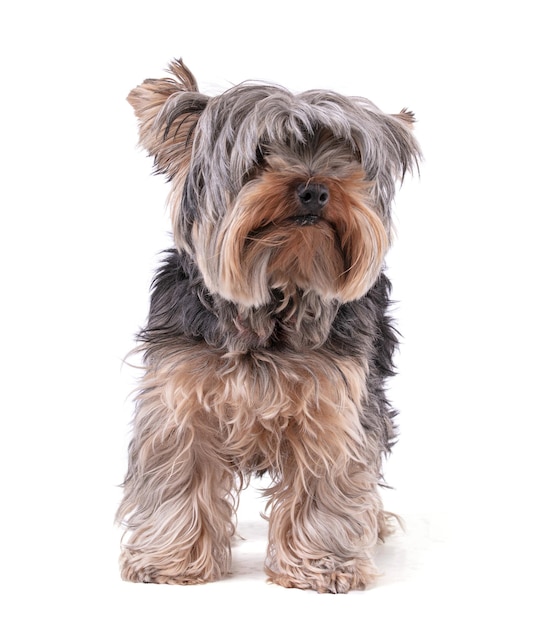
pixel 83 222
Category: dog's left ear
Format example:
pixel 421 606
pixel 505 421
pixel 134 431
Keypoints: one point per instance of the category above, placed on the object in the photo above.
pixel 168 110
pixel 401 143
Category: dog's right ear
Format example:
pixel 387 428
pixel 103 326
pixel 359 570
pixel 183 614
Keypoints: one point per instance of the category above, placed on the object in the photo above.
pixel 168 110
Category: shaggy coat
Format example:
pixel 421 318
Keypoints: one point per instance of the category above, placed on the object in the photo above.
pixel 268 341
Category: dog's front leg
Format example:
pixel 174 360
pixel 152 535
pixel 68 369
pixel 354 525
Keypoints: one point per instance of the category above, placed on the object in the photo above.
pixel 178 506
pixel 323 528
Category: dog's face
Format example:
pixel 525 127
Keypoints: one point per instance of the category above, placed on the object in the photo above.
pixel 275 191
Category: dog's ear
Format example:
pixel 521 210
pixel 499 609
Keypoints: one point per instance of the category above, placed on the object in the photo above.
pixel 400 143
pixel 168 110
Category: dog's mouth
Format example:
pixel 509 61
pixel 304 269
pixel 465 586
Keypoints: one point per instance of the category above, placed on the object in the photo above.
pixel 295 220
pixel 306 220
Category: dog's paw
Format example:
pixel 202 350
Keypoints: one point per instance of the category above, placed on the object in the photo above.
pixel 325 576
pixel 136 567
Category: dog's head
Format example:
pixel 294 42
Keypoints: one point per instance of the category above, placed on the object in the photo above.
pixel 276 191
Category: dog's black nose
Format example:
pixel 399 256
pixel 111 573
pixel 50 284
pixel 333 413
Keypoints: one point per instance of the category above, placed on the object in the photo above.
pixel 313 197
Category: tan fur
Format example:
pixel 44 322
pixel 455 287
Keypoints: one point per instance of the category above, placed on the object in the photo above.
pixel 340 257
pixel 202 418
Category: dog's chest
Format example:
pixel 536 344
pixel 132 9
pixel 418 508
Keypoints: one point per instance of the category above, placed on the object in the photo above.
pixel 259 402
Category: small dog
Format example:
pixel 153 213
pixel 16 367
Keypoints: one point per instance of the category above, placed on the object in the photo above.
pixel 268 340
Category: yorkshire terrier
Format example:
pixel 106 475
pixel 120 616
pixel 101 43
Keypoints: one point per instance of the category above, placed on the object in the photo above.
pixel 268 340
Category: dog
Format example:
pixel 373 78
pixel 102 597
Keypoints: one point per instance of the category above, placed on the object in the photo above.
pixel 268 341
